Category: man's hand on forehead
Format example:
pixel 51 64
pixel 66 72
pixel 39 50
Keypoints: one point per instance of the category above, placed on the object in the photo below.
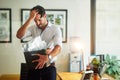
pixel 36 11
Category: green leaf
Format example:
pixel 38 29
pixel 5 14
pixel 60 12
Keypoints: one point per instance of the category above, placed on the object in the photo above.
pixel 113 65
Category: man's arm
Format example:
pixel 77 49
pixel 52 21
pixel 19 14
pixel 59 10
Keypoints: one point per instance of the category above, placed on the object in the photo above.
pixel 24 27
pixel 55 51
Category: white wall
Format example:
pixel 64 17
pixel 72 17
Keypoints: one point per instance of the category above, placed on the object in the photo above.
pixel 11 54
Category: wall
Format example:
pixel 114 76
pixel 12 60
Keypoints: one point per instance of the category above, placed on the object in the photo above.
pixel 11 54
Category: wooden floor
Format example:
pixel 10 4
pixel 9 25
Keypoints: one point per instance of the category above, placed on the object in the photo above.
pixel 10 77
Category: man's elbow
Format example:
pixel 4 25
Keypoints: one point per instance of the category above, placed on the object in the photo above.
pixel 18 36
pixel 58 48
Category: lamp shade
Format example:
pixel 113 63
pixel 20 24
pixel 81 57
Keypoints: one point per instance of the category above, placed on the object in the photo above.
pixel 75 44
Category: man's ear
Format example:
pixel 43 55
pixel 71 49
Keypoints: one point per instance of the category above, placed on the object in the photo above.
pixel 45 15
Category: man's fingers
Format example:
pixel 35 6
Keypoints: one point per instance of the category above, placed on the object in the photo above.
pixel 41 61
pixel 35 61
pixel 39 66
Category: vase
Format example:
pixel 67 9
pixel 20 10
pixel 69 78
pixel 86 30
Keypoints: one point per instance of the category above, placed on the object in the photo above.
pixel 96 69
pixel 96 73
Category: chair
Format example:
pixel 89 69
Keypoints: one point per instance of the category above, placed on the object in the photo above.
pixel 24 71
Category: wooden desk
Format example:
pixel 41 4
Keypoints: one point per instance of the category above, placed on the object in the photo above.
pixel 107 76
pixel 77 76
pixel 69 75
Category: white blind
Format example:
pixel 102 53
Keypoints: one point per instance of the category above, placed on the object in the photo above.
pixel 107 26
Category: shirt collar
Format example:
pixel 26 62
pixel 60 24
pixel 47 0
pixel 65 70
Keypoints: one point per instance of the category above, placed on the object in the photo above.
pixel 49 24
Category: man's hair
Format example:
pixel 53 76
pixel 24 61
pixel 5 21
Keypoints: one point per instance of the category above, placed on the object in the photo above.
pixel 40 10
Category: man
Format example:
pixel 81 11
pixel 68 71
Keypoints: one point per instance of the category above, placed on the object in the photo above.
pixel 48 33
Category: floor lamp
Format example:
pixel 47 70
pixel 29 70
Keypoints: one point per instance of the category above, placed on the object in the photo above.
pixel 76 47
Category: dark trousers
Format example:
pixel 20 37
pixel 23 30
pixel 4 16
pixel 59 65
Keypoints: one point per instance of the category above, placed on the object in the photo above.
pixel 47 73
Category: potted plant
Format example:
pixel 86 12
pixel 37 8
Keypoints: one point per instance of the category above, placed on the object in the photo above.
pixel 95 65
pixel 113 66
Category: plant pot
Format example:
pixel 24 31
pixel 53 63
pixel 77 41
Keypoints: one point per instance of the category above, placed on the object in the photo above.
pixel 96 70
